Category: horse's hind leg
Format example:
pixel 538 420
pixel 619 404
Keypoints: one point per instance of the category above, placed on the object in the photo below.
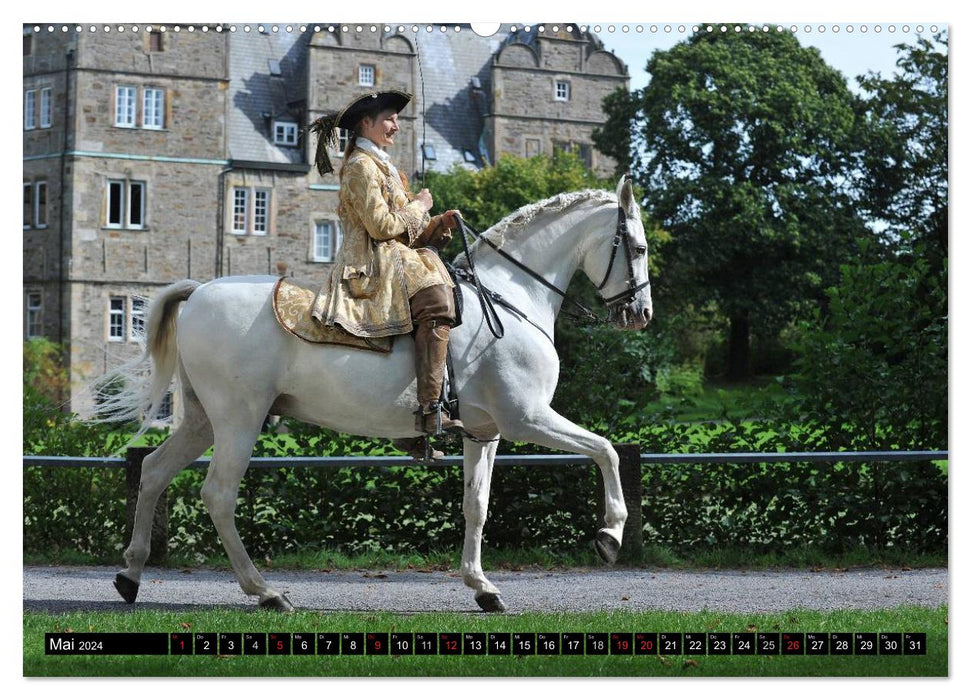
pixel 185 445
pixel 548 428
pixel 231 456
pixel 477 480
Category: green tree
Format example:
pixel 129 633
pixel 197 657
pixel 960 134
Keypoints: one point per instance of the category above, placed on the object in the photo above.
pixel 746 140
pixel 904 148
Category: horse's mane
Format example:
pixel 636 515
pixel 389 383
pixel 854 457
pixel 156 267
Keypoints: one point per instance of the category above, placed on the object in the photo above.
pixel 516 222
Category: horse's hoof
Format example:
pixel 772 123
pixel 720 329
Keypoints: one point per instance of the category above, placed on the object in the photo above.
pixel 490 602
pixel 278 603
pixel 607 546
pixel 127 588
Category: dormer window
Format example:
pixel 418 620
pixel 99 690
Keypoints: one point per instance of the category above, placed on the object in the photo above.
pixel 285 133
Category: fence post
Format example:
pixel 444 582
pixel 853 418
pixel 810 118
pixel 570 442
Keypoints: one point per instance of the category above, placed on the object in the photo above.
pixel 630 481
pixel 160 522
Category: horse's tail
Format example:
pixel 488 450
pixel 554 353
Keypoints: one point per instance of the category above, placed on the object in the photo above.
pixel 135 390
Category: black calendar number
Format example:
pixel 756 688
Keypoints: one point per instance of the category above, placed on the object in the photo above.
pixel 254 643
pixel 597 644
pixel 915 643
pixel 474 643
pixel 865 643
pixel 180 644
pixel 523 643
pixel 793 643
pixel 450 644
pixel 645 643
pixel 376 643
pixel 278 643
pixel 204 643
pixel 841 644
pixel 891 643
pixel 622 643
pixel 694 644
pixel 571 644
pixel 328 643
pixel 670 643
pixel 303 644
pixel 767 643
pixel 426 643
pixel 817 644
pixel 548 643
pixel 230 643
pixel 352 644
pixel 500 643
pixel 402 643
pixel 719 643
pixel 743 643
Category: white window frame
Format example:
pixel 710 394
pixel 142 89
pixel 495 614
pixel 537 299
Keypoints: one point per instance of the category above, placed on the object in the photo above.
pixel 327 239
pixel 153 108
pixel 343 137
pixel 30 107
pixel 126 188
pixel 116 319
pixel 251 210
pixel 366 75
pixel 285 133
pixel 40 210
pixel 45 108
pixel 137 316
pixel 561 90
pixel 126 97
pixel 35 315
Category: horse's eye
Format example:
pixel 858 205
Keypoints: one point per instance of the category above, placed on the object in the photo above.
pixel 641 250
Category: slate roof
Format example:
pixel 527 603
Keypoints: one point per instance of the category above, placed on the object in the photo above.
pixel 453 107
pixel 258 96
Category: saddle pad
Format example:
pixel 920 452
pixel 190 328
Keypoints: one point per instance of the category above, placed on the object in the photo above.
pixel 292 303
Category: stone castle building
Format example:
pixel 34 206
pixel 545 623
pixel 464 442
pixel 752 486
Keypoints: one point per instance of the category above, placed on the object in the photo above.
pixel 151 156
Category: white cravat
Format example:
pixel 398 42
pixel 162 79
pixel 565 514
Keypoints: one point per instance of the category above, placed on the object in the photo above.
pixel 370 147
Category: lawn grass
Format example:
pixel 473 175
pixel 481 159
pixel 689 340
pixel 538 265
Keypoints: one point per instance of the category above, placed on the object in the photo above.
pixel 932 622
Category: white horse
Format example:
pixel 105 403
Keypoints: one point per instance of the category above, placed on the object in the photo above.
pixel 236 365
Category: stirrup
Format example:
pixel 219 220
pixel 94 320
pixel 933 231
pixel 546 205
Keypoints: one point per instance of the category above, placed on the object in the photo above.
pixel 441 424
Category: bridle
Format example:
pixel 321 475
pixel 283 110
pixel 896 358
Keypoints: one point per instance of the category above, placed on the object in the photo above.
pixel 619 302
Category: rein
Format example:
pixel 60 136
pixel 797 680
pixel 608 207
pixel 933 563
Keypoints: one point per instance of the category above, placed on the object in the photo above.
pixel 487 297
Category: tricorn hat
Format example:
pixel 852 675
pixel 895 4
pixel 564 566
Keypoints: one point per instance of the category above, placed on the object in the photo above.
pixel 369 103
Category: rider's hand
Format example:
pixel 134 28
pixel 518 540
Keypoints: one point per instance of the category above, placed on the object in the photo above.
pixel 425 197
pixel 450 219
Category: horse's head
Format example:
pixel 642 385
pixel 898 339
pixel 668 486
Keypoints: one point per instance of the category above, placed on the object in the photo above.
pixel 617 263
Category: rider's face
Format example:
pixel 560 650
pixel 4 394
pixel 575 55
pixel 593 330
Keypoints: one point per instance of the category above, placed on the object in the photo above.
pixel 382 129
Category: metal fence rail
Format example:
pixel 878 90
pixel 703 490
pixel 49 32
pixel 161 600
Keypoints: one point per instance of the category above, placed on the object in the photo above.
pixel 632 463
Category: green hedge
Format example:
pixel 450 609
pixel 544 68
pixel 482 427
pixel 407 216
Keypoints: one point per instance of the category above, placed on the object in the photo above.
pixel 419 509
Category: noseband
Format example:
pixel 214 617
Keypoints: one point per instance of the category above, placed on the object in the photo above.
pixel 625 298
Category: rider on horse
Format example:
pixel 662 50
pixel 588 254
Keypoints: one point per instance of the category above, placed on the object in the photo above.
pixel 385 281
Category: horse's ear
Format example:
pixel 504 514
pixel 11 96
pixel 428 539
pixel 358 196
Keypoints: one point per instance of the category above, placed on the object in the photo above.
pixel 625 193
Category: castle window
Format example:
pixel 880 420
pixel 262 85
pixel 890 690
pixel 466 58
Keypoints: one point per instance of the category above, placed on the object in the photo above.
pixel 153 108
pixel 285 133
pixel 155 41
pixel 45 108
pixel 125 106
pixel 125 204
pixel 137 318
pixel 116 319
pixel 35 315
pixel 365 75
pixel 562 91
pixel 328 237
pixel 251 211
pixel 30 106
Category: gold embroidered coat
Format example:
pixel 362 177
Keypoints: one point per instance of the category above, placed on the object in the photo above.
pixel 377 269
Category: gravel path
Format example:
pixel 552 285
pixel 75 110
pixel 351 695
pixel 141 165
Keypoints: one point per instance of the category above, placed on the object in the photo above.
pixel 64 589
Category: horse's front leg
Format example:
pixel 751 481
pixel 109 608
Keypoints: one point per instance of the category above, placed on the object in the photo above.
pixel 546 427
pixel 478 461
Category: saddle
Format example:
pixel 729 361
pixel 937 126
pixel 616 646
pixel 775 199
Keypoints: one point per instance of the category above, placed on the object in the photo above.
pixel 292 305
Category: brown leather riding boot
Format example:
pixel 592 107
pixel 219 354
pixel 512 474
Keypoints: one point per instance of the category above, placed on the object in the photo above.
pixel 431 347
